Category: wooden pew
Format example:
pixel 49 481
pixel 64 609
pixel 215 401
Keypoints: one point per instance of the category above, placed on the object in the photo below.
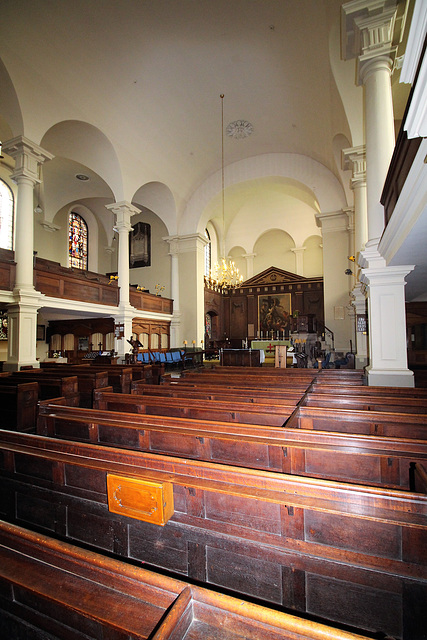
pixel 18 404
pixel 87 381
pixel 259 373
pixel 250 388
pixel 119 377
pixel 242 380
pixel 262 414
pixel 386 403
pixel 214 393
pixel 336 388
pixel 326 549
pixel 107 598
pixel 385 462
pixel 379 423
pixel 238 384
pixel 49 386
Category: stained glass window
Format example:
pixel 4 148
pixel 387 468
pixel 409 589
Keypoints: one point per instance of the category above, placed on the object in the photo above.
pixel 77 241
pixel 6 216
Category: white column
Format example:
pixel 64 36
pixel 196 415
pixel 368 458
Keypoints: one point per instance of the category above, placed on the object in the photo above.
pixel 361 328
pixel 380 138
pixel 22 314
pixel 28 157
pixel 299 260
pixel 175 327
pixel 249 257
pixel 370 33
pixel 355 159
pixel 123 212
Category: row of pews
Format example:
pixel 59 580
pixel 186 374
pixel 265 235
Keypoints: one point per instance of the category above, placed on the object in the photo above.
pixel 300 490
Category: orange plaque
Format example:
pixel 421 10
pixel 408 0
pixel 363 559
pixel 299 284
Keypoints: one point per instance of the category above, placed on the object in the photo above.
pixel 140 499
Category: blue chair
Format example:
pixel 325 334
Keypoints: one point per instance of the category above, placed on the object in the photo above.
pixel 177 357
pixel 162 357
pixel 169 359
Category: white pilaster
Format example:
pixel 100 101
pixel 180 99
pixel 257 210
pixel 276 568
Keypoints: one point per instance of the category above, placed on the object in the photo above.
pixel 336 232
pixel 249 257
pixel 175 327
pixel 387 323
pixel 299 260
pixel 190 250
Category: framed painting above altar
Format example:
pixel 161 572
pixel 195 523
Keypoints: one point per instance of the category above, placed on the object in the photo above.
pixel 274 313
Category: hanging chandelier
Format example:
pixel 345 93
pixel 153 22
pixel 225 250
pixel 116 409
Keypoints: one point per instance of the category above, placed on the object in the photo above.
pixel 224 275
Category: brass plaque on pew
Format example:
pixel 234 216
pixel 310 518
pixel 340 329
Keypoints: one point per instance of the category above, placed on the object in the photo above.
pixel 140 499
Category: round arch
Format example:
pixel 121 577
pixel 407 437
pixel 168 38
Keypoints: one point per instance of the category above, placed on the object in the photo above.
pixel 326 188
pixel 157 197
pixel 88 146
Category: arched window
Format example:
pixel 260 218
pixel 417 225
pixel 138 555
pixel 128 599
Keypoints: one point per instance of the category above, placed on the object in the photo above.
pixel 77 241
pixel 6 216
pixel 207 254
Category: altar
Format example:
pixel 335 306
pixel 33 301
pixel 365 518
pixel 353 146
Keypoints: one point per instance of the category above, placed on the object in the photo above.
pixel 268 346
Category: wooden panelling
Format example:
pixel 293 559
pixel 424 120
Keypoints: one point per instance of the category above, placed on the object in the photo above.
pixel 150 302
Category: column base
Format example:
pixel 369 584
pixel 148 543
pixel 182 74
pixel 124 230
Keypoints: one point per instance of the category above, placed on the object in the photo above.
pixel 390 378
pixel 17 366
pixel 361 362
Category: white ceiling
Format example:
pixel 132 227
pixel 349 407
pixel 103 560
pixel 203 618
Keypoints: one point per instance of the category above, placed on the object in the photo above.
pixel 149 74
pixel 145 78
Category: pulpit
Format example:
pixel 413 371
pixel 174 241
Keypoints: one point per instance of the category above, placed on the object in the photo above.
pixel 280 356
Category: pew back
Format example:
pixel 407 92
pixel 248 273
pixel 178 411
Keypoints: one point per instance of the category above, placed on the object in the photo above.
pixel 273 415
pixel 336 456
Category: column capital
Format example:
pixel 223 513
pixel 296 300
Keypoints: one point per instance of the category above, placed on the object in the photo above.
pixel 28 156
pixel 298 249
pixel 186 244
pixel 123 212
pixel 333 220
pixel 249 256
pixel 173 242
pixel 49 226
pixel 370 30
pixel 354 159
pixel 385 276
